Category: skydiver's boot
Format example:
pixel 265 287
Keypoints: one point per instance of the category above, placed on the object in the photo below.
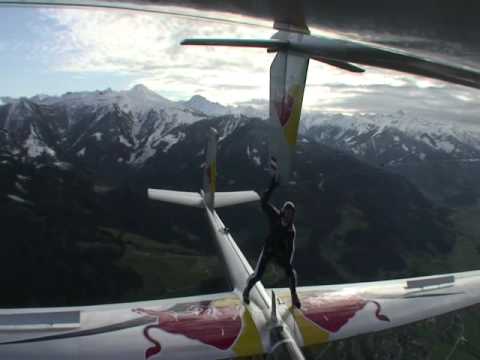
pixel 293 287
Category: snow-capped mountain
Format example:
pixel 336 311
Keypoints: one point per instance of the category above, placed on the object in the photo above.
pixel 138 101
pixel 129 128
pixel 142 121
pixel 106 131
pixel 202 105
pixel 443 159
pixel 376 134
pixel 33 130
pixel 137 123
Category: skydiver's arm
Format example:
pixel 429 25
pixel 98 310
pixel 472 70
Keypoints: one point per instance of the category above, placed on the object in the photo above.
pixel 271 211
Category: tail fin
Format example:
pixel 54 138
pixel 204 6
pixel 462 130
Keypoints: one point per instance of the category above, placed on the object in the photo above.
pixel 210 169
pixel 288 74
pixel 208 194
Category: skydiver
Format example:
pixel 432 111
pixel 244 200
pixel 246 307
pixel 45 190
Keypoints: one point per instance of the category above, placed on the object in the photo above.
pixel 279 244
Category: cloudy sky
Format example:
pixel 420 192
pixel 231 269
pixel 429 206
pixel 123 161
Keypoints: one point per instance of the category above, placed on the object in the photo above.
pixel 55 50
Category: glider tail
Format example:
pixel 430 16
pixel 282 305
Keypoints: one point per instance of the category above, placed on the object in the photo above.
pixel 288 74
pixel 207 197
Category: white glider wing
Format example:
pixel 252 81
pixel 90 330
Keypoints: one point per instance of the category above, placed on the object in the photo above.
pixel 340 311
pixel 215 326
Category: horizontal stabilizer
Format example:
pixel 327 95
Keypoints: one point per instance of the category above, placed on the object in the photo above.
pixel 194 199
pixel 267 43
pixel 340 64
pixel 223 199
pixel 176 197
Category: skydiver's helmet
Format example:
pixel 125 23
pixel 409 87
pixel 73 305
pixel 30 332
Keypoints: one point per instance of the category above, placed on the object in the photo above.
pixel 288 212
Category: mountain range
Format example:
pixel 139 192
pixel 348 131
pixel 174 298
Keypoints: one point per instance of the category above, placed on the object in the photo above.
pixel 442 159
pixel 115 130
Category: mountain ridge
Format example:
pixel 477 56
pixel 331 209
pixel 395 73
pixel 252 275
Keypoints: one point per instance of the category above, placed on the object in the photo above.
pixel 129 127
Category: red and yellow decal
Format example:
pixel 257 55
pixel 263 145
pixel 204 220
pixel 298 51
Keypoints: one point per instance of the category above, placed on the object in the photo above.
pixel 249 343
pixel 288 112
pixel 324 314
pixel 223 324
pixel 311 333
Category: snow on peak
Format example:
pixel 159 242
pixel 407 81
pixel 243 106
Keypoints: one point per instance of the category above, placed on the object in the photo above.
pixel 138 101
pixel 140 98
pixel 366 122
pixel 439 134
pixel 141 89
pixel 36 147
pixel 203 105
pixel 40 98
pixel 197 97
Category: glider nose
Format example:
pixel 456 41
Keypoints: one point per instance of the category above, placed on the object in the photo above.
pixel 283 346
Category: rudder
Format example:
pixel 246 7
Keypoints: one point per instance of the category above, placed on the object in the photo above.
pixel 288 74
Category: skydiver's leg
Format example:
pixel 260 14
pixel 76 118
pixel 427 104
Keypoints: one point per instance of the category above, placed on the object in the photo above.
pixel 292 277
pixel 256 276
pixel 293 287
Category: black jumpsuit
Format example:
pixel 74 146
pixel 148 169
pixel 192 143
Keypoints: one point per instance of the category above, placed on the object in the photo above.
pixel 279 245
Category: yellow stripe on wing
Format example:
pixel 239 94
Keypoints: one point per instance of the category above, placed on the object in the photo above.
pixel 312 333
pixel 249 343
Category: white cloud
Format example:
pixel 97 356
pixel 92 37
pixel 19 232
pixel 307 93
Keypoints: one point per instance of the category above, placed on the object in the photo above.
pixel 147 48
pixel 451 103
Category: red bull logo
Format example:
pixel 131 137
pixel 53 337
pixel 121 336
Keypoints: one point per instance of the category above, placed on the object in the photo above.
pixel 284 109
pixel 214 325
pixel 332 312
pixel 288 112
